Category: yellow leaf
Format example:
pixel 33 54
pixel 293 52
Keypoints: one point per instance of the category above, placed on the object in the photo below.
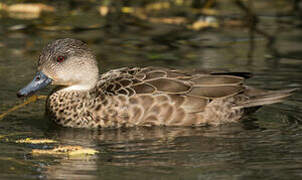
pixel 128 10
pixel 158 6
pixel 103 10
pixel 28 11
pixel 30 8
pixel 36 141
pixel 3 6
pixel 84 151
pixel 66 150
pixel 205 23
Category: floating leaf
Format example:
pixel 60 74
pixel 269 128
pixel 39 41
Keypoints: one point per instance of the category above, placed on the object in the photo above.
pixel 206 22
pixel 158 6
pixel 36 141
pixel 26 11
pixel 3 6
pixel 128 10
pixel 66 150
pixel 170 20
pixel 103 10
pixel 34 8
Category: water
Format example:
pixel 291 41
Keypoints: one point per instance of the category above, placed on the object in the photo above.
pixel 266 145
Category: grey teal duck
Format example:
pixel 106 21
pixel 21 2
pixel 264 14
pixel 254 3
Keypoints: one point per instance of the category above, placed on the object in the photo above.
pixel 148 96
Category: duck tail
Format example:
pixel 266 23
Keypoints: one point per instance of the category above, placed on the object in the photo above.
pixel 259 98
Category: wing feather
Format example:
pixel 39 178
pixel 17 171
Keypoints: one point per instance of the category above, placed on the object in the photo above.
pixel 153 80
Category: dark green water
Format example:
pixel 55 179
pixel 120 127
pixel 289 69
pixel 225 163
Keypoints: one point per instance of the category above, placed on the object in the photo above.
pixel 267 145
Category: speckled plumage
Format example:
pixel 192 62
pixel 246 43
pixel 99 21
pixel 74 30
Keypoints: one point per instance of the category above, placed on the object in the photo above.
pixel 146 96
pixel 151 96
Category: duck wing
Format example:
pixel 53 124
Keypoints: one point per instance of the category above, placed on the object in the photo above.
pixel 161 96
pixel 153 80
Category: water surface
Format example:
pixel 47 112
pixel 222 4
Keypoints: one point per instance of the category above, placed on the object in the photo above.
pixel 267 145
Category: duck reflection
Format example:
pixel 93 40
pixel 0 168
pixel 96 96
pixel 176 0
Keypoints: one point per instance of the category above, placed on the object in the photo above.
pixel 152 148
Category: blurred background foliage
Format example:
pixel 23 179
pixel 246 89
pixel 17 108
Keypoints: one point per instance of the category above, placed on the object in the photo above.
pixel 194 14
pixel 170 20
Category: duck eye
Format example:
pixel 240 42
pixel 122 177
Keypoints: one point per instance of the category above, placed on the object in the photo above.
pixel 60 59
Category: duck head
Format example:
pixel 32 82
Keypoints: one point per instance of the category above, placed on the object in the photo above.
pixel 64 62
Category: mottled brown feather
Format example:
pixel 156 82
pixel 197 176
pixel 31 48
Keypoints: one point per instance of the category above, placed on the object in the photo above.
pixel 158 96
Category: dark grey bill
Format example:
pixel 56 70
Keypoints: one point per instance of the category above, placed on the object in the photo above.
pixel 39 82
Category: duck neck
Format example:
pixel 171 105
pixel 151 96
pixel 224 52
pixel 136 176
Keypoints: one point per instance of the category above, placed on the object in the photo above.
pixel 78 87
pixel 83 86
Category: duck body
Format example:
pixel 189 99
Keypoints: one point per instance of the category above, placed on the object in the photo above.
pixel 148 96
